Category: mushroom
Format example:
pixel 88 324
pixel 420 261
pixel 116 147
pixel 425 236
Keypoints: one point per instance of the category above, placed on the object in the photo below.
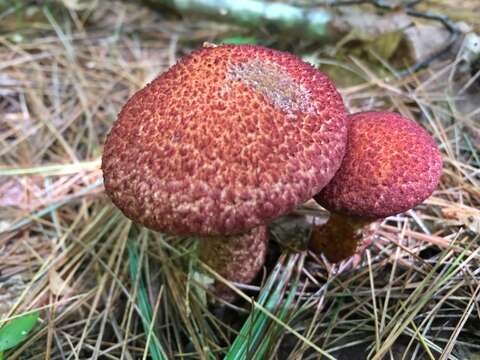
pixel 391 165
pixel 240 261
pixel 226 140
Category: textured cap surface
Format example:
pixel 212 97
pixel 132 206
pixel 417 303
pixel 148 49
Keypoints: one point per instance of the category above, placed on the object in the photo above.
pixel 391 164
pixel 227 139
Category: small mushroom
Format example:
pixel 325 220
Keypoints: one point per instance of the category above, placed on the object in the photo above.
pixel 391 165
pixel 226 140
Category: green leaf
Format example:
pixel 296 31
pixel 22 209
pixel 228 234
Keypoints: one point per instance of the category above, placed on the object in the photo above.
pixel 237 40
pixel 17 330
pixel 386 44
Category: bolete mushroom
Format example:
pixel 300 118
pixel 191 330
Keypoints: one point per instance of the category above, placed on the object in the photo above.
pixel 226 140
pixel 391 164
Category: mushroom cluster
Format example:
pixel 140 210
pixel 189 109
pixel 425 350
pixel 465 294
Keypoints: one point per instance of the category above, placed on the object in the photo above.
pixel 223 142
pixel 234 136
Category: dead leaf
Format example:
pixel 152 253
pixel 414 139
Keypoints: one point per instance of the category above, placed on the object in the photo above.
pixel 367 27
pixel 57 285
pixel 423 41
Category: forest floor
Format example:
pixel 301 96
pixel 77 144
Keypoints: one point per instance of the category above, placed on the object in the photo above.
pixel 70 258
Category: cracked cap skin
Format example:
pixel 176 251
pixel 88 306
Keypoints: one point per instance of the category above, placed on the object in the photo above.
pixel 391 164
pixel 227 139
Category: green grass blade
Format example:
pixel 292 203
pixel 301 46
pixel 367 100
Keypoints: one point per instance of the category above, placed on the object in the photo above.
pixel 155 347
pixel 266 322
pixel 254 326
pixel 273 335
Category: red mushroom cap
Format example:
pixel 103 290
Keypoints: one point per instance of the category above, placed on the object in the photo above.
pixel 391 164
pixel 227 139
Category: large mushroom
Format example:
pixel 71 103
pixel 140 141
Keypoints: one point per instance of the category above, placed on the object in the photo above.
pixel 391 164
pixel 226 140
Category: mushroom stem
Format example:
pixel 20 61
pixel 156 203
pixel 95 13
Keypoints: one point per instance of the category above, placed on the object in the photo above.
pixel 341 237
pixel 237 258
